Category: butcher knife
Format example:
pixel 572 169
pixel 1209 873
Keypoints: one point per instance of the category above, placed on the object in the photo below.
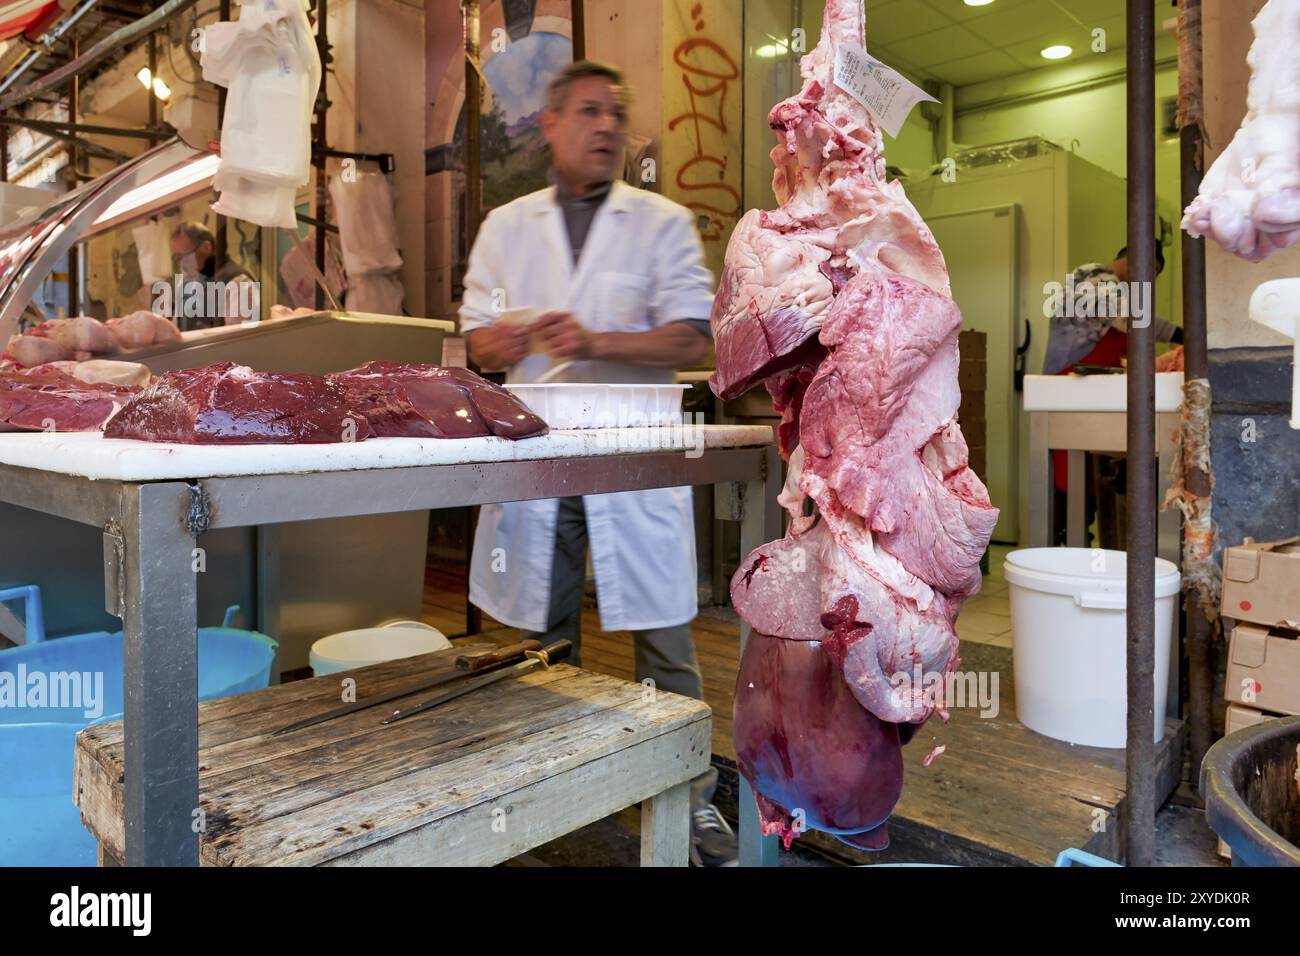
pixel 550 654
pixel 467 665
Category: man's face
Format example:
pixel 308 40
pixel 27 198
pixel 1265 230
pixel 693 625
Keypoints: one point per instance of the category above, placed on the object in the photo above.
pixel 186 256
pixel 587 135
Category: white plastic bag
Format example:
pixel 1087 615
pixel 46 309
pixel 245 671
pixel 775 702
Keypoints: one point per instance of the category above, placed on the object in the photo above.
pixel 367 226
pixel 269 62
pixel 374 292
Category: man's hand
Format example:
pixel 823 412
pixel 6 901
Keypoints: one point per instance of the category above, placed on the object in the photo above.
pixel 562 336
pixel 498 346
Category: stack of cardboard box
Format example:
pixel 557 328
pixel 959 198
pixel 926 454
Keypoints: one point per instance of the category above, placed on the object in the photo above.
pixel 1261 592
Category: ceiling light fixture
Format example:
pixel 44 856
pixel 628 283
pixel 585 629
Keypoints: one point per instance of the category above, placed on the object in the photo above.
pixel 1058 52
pixel 978 3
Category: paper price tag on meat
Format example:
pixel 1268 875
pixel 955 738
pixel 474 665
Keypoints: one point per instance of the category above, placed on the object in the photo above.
pixel 887 94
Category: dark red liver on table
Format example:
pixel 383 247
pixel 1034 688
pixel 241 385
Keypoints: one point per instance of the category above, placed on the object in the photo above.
pixel 229 403
pixel 426 401
pixel 54 401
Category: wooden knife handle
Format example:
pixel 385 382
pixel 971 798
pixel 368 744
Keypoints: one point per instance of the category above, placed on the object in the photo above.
pixel 476 662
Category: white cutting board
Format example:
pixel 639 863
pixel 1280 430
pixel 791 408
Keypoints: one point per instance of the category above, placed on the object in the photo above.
pixel 91 455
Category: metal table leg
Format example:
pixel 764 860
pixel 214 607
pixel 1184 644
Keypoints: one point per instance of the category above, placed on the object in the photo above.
pixel 1076 525
pixel 158 595
pixel 760 522
pixel 1040 482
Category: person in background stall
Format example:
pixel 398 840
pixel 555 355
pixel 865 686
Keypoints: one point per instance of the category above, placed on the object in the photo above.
pixel 194 259
pixel 1091 334
pixel 618 277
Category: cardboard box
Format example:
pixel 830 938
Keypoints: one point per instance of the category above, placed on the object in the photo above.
pixel 1261 582
pixel 1264 669
pixel 1239 718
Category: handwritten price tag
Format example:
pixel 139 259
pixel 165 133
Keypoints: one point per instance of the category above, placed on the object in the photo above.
pixel 887 94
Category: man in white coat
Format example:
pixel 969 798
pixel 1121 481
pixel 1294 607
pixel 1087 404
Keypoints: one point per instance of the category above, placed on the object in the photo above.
pixel 618 276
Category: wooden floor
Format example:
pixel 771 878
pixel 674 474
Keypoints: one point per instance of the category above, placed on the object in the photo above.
pixel 999 793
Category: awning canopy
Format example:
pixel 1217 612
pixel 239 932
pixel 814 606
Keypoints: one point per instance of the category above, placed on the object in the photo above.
pixel 26 16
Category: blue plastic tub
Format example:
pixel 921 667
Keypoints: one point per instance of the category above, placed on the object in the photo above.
pixel 39 823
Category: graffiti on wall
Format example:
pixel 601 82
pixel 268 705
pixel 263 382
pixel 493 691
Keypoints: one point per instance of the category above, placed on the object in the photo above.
pixel 702 130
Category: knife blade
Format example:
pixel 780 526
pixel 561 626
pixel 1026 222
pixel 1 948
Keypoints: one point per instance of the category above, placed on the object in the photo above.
pixel 547 656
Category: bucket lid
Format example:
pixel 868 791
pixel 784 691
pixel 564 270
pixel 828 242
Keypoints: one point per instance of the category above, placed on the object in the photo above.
pixel 379 644
pixel 1072 571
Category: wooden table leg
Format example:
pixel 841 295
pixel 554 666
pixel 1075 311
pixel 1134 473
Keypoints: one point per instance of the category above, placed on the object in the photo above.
pixel 666 827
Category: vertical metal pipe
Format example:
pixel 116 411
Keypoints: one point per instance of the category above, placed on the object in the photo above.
pixel 578 16
pixel 153 76
pixel 1196 368
pixel 74 254
pixel 221 252
pixel 1139 802
pixel 473 138
pixel 473 214
pixel 322 110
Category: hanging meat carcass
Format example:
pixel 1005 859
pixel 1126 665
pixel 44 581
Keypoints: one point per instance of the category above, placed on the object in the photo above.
pixel 839 303
pixel 1249 201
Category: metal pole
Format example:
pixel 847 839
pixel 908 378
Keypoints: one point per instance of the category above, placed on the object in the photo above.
pixel 1139 801
pixel 578 16
pixel 74 273
pixel 162 816
pixel 322 110
pixel 1198 545
pixel 222 249
pixel 153 76
pixel 473 215
pixel 473 141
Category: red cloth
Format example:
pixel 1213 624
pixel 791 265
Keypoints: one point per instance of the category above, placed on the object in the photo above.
pixel 1109 351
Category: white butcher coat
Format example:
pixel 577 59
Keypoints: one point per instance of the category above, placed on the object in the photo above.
pixel 642 266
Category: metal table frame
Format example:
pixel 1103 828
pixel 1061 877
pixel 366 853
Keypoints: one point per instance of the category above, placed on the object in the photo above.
pixel 151 531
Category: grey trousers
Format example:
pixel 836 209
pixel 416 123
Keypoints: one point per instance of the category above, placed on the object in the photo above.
pixel 665 655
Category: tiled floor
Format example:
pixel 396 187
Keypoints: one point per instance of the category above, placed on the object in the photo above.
pixel 986 618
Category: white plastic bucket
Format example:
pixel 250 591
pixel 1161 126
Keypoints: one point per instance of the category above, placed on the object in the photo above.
pixel 348 650
pixel 1069 630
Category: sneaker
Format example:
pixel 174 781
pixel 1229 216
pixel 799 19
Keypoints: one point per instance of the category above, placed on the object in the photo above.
pixel 713 842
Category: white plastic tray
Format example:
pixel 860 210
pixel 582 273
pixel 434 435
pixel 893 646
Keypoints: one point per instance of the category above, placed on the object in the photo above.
pixel 584 405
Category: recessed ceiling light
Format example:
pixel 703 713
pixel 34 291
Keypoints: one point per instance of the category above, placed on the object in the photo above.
pixel 978 3
pixel 1058 52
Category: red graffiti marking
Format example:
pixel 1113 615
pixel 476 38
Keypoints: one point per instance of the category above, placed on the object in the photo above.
pixel 719 66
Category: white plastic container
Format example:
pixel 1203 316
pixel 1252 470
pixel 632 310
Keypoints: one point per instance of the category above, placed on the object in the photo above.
pixel 584 405
pixel 1069 628
pixel 349 650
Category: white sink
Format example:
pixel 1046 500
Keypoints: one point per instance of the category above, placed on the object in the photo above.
pixel 1096 393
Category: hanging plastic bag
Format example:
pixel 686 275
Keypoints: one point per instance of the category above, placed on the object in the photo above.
pixel 367 226
pixel 268 61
